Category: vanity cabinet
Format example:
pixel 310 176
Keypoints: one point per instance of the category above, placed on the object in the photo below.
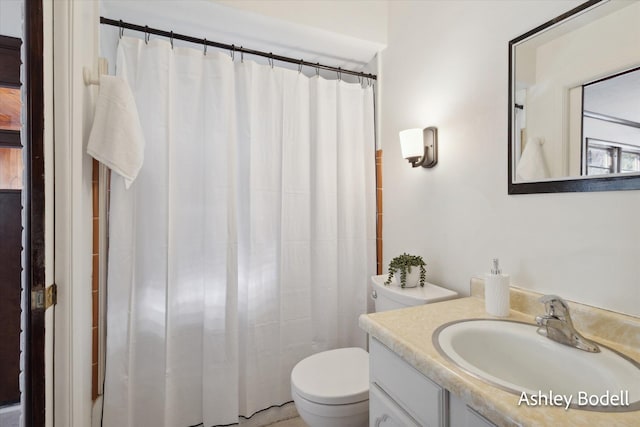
pixel 397 385
pixel 385 412
pixel 400 396
pixel 461 415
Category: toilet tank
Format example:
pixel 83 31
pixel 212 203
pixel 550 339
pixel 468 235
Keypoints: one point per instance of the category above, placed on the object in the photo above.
pixel 392 297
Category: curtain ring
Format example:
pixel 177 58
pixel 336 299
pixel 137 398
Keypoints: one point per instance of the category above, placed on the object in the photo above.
pixel 146 34
pixel 271 59
pixel 241 55
pixel 171 39
pixel 204 43
pixel 232 52
pixel 300 66
pixel 317 69
pixel 339 74
pixel 121 33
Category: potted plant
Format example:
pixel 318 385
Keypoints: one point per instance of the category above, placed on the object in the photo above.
pixel 411 268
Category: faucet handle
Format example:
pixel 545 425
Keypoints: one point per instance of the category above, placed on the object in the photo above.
pixel 555 306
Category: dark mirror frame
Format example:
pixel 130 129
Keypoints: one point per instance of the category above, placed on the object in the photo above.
pixel 614 183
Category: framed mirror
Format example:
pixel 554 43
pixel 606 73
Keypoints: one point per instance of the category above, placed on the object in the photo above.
pixel 574 101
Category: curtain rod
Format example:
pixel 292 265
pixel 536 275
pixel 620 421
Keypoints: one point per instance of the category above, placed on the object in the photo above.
pixel 233 48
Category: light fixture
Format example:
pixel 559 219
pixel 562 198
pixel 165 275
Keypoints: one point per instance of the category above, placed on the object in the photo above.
pixel 420 146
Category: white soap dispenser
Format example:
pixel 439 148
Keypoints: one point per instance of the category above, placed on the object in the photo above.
pixel 496 292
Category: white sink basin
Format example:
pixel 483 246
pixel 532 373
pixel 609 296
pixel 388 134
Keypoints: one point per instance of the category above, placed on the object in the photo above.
pixel 513 357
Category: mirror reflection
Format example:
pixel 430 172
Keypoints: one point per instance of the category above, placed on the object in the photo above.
pixel 575 96
pixel 611 125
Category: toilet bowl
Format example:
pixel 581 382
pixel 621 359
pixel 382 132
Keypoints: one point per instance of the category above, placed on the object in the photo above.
pixel 331 388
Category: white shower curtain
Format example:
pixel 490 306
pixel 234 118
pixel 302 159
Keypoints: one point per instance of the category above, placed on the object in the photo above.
pixel 246 242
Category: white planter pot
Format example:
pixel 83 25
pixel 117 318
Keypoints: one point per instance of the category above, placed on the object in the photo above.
pixel 413 278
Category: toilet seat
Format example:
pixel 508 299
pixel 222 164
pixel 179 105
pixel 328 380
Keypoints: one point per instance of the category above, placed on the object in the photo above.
pixel 334 377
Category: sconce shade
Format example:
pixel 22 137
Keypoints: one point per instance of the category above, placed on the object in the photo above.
pixel 411 143
pixel 420 146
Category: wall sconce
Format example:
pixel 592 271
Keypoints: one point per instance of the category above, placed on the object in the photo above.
pixel 420 146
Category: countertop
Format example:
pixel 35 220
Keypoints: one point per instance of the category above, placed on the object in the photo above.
pixel 408 333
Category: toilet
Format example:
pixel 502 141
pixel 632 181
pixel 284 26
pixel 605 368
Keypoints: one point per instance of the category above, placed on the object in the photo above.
pixel 331 388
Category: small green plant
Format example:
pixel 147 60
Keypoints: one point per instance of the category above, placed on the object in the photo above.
pixel 403 264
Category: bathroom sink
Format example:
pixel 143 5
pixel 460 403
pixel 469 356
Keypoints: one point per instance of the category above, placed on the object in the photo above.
pixel 512 356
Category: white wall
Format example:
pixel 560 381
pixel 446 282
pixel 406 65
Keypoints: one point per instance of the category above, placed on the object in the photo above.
pixel 332 33
pixel 362 20
pixel 446 65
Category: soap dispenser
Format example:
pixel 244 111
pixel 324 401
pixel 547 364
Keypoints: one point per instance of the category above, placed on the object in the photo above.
pixel 496 292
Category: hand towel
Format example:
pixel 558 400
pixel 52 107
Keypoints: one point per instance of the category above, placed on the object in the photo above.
pixel 116 137
pixel 532 165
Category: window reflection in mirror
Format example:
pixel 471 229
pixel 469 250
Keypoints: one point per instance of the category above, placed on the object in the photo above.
pixel 611 125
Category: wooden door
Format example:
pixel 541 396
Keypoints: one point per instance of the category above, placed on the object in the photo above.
pixel 23 184
pixel 11 177
pixel 10 284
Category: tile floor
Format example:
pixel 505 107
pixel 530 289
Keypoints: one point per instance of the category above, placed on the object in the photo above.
pixel 10 417
pixel 293 422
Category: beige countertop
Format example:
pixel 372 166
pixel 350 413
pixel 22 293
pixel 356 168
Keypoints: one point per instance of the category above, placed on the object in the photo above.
pixel 408 332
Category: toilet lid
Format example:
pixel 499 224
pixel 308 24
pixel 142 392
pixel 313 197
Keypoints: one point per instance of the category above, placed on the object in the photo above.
pixel 334 377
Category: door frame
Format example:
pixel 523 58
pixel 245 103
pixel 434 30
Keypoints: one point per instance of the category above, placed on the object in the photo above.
pixel 71 44
pixel 34 368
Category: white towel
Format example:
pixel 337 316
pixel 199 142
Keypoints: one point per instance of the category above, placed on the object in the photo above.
pixel 532 165
pixel 116 137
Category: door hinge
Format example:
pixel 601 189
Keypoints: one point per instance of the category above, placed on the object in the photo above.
pixel 44 298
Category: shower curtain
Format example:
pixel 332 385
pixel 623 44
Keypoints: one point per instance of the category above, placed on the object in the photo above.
pixel 246 242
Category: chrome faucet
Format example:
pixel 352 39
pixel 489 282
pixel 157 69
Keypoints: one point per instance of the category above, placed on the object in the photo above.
pixel 556 324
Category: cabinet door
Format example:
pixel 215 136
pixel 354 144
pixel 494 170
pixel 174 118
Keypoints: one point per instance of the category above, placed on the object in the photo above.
pixel 420 397
pixel 384 412
pixel 460 415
